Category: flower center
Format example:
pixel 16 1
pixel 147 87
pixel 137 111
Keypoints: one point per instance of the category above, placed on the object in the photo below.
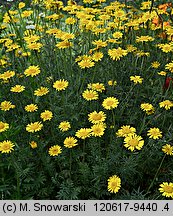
pixel 168 189
pixel 133 142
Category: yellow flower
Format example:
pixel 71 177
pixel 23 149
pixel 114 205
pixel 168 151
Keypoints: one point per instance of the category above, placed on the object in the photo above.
pixel 155 64
pixel 144 39
pixel 112 82
pixel 34 46
pixel 60 85
pixel 97 117
pixel 64 126
pixel 70 142
pixel 6 146
pixel 70 21
pixel 99 43
pixel 136 79
pixel 98 87
pixel 17 88
pixel 46 115
pixel 148 108
pixel 41 91
pixel 169 66
pixel 33 144
pixel 162 73
pixel 86 63
pixel 116 54
pixel 167 104
pixel 167 149
pixel 32 71
pixel 83 133
pixel 3 126
pixel 97 56
pixel 26 13
pixel 154 133
pixel 133 141
pixel 90 95
pixel 166 189
pixel 64 44
pixel 114 184
pixel 110 103
pixel 6 105
pixel 125 130
pixel 31 108
pixel 7 75
pixel 21 5
pixel 98 130
pixel 55 150
pixel 34 127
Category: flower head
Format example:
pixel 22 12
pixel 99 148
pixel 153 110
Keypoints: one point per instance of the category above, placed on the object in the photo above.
pixel 90 95
pixel 136 79
pixel 46 115
pixel 154 133
pixel 6 146
pixel 133 142
pixel 167 149
pixel 125 130
pixel 41 91
pixel 34 127
pixel 55 150
pixel 33 144
pixel 6 105
pixel 17 88
pixel 64 126
pixel 114 184
pixel 83 133
pixel 3 126
pixel 32 71
pixel 166 189
pixel 167 104
pixel 60 85
pixel 110 103
pixel 31 108
pixel 97 117
pixel 70 142
pixel 116 54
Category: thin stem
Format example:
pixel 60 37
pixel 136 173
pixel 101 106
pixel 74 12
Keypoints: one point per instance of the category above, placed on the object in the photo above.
pixel 156 173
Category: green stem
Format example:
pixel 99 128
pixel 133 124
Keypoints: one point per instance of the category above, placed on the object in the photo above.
pixel 156 173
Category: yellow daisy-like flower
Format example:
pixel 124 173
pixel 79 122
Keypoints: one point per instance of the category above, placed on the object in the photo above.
pixel 6 146
pixel 133 141
pixel 64 126
pixel 162 73
pixel 6 106
pixel 136 79
pixel 166 189
pixel 98 130
pixel 64 44
pixel 46 115
pixel 97 117
pixel 169 66
pixel 17 88
pixel 148 108
pixel 34 127
pixel 112 82
pixel 90 95
pixel 144 39
pixel 3 126
pixel 116 54
pixel 97 56
pixel 7 75
pixel 41 91
pixel 55 150
pixel 31 108
pixel 125 130
pixel 70 142
pixel 86 63
pixel 154 133
pixel 60 85
pixel 155 64
pixel 83 133
pixel 167 149
pixel 167 104
pixel 32 71
pixel 110 103
pixel 33 144
pixel 114 184
pixel 98 87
